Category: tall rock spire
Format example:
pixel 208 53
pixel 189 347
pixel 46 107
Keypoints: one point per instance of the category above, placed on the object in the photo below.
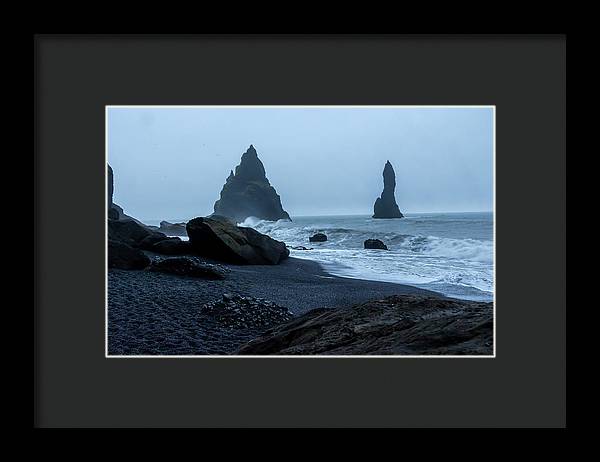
pixel 248 193
pixel 385 206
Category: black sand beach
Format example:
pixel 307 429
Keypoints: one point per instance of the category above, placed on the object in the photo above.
pixel 152 313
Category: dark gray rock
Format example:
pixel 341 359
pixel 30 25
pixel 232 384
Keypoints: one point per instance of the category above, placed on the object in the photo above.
pixel 110 186
pixel 132 233
pixel 385 206
pixel 238 312
pixel 300 247
pixel 248 193
pixel 173 246
pixel 186 266
pixel 219 238
pixel 375 244
pixel 123 256
pixel 319 237
pixel 396 325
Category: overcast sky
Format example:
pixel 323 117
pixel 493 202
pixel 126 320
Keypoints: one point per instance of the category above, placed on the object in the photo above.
pixel 171 163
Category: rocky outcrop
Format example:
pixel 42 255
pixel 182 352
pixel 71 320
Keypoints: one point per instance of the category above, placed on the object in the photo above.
pixel 170 229
pixel 248 193
pixel 172 246
pixel 123 256
pixel 219 238
pixel 385 205
pixel 238 312
pixel 319 237
pixel 188 266
pixel 396 325
pixel 375 244
pixel 133 233
pixel 114 211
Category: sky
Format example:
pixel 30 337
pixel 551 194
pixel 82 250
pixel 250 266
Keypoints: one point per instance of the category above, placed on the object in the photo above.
pixel 170 163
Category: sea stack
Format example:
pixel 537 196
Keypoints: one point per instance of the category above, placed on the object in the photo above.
pixel 385 206
pixel 248 193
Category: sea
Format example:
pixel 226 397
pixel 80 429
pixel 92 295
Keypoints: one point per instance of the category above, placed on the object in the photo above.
pixel 450 253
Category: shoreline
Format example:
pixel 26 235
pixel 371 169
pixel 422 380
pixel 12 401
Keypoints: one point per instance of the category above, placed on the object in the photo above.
pixel 153 313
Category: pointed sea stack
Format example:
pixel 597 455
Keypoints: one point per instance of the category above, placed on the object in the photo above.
pixel 248 193
pixel 385 206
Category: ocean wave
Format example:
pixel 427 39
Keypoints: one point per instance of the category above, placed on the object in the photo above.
pixel 340 237
pixel 454 266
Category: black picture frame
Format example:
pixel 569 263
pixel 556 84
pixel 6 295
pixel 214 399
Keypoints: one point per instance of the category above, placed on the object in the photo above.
pixel 524 76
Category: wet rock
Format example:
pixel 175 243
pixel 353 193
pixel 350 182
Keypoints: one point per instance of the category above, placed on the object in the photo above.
pixel 375 244
pixel 319 237
pixel 239 312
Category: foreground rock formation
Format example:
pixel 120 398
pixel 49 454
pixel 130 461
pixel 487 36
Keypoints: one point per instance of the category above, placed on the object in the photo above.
pixel 385 205
pixel 248 193
pixel 219 238
pixel 396 325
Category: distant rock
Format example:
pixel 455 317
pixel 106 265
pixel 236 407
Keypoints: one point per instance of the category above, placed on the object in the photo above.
pixel 186 266
pixel 123 256
pixel 172 229
pixel 385 206
pixel 396 325
pixel 319 237
pixel 248 193
pixel 299 247
pixel 238 312
pixel 219 238
pixel 375 244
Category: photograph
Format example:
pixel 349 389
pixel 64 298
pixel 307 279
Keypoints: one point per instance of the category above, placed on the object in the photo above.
pixel 300 231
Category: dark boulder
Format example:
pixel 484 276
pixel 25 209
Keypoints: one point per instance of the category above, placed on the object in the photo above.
pixel 123 256
pixel 396 325
pixel 185 266
pixel 219 238
pixel 375 244
pixel 132 233
pixel 173 246
pixel 248 193
pixel 385 206
pixel 319 237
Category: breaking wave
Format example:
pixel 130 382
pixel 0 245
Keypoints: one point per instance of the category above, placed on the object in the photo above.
pixel 422 255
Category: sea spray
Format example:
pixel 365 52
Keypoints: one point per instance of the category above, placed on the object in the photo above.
pixel 448 253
